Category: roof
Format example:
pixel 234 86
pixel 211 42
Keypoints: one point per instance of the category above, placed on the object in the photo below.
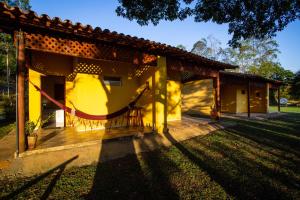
pixel 13 19
pixel 249 77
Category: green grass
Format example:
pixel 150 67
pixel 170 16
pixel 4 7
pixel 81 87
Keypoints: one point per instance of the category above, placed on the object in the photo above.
pixel 5 128
pixel 251 160
pixel 292 109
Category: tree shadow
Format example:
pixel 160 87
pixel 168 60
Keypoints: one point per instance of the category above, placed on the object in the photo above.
pixel 136 177
pixel 58 170
pixel 238 175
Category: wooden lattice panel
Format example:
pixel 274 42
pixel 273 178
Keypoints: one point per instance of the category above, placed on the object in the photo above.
pixel 88 68
pixel 86 50
pixel 141 70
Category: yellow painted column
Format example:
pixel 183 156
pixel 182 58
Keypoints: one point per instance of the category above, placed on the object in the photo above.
pixel 174 100
pixel 160 97
pixel 34 97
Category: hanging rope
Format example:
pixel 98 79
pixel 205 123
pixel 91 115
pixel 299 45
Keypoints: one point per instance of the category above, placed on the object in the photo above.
pixel 84 115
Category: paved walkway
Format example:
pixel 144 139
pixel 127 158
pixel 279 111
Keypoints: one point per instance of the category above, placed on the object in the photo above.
pixel 43 160
pixel 258 116
pixel 7 149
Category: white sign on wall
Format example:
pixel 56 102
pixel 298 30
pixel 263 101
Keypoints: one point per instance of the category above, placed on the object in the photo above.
pixel 59 118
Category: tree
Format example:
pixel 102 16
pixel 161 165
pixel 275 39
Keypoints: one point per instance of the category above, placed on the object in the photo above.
pixel 257 56
pixel 209 47
pixel 7 49
pixel 295 86
pixel 23 4
pixel 180 46
pixel 246 19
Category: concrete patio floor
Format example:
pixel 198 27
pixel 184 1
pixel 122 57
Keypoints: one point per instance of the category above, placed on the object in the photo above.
pixel 55 137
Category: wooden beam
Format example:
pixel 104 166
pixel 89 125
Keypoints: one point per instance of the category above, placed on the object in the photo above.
pixel 248 99
pixel 20 90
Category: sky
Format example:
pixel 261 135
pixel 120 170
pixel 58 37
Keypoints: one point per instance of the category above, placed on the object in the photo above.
pixel 101 13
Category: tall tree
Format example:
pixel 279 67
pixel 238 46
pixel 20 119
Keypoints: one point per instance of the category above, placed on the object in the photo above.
pixel 246 19
pixel 209 47
pixel 252 54
pixel 295 86
pixel 7 50
pixel 180 46
pixel 23 4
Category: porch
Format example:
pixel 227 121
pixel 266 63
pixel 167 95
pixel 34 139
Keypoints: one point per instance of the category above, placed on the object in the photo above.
pixel 59 138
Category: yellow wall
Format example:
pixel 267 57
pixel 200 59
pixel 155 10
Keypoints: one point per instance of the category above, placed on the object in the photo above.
pixel 198 97
pixel 34 97
pixel 228 98
pixel 88 93
pixel 258 104
pixel 174 100
pixel 233 101
pixel 49 63
pixel 160 82
pixel 241 98
pixel 173 95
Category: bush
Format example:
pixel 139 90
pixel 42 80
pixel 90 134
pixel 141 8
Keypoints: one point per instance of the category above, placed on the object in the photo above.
pixel 10 108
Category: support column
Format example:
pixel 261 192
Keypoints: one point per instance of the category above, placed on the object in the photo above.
pixel 161 111
pixel 216 83
pixel 278 98
pixel 248 99
pixel 20 91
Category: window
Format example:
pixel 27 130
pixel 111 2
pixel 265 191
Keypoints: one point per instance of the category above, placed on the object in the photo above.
pixel 257 94
pixel 243 92
pixel 112 81
pixel 59 92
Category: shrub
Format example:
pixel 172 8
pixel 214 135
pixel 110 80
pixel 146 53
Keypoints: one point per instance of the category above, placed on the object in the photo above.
pixel 10 108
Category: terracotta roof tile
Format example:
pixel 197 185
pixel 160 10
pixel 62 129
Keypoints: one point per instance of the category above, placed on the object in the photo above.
pixel 12 18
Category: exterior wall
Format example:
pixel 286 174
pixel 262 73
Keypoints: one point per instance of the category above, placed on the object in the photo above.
pixel 241 98
pixel 154 101
pixel 228 99
pixel 258 104
pixel 34 96
pixel 233 100
pixel 198 97
pixel 174 96
pixel 160 84
pixel 87 91
pixel 54 64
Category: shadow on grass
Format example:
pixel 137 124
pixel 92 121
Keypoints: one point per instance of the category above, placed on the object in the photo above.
pixel 240 172
pixel 58 170
pixel 133 177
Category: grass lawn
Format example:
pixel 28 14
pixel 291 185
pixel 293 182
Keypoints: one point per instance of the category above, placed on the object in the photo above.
pixel 5 128
pixel 252 160
pixel 288 109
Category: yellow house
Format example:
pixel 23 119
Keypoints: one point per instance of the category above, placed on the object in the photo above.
pixel 245 93
pixel 237 91
pixel 92 79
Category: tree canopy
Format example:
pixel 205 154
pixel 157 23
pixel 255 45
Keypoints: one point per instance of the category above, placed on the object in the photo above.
pixel 295 86
pixel 246 18
pixel 8 51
